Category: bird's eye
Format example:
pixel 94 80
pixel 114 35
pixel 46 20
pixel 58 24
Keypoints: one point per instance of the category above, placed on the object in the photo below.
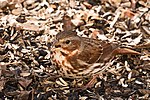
pixel 67 41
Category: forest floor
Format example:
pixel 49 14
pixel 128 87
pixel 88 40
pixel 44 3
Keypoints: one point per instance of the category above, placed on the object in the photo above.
pixel 28 27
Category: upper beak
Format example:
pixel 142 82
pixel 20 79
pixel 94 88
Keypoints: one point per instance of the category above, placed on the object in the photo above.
pixel 56 44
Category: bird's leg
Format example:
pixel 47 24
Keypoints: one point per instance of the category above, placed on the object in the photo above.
pixel 91 82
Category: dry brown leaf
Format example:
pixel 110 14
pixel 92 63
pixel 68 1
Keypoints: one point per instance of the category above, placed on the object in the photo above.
pixel 133 4
pixel 25 74
pixel 24 95
pixel 144 67
pixel 68 25
pixel 128 13
pixel 115 2
pixel 25 82
pixel 144 91
pixel 3 3
pixel 1 41
pixel 2 83
pixel 145 45
pixel 87 5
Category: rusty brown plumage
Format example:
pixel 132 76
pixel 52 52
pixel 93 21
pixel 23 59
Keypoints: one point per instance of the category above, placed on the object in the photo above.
pixel 81 56
pixel 78 56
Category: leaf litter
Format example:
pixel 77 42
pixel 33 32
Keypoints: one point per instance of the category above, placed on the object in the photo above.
pixel 27 30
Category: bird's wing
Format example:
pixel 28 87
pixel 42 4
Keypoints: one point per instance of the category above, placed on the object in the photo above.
pixel 91 52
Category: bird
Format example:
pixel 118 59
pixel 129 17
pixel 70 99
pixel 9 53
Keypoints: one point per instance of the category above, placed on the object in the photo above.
pixel 77 57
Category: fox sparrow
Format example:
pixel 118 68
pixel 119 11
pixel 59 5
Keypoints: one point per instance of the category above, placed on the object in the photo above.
pixel 78 56
pixel 82 56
